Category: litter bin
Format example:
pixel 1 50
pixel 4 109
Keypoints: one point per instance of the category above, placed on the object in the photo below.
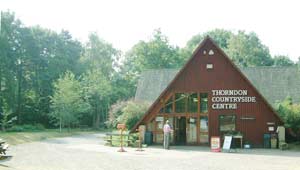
pixel 148 138
pixel 273 141
pixel 267 140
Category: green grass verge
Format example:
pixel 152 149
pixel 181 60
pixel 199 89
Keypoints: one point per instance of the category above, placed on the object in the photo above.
pixel 14 138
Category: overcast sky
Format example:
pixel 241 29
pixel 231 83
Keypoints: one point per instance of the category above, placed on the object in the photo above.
pixel 124 22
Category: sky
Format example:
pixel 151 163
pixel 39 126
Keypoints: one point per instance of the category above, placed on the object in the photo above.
pixel 124 22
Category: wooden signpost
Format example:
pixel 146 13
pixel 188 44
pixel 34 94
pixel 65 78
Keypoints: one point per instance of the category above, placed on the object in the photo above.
pixel 121 127
pixel 140 139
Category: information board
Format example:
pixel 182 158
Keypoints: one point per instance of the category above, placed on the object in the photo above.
pixel 227 142
pixel 215 144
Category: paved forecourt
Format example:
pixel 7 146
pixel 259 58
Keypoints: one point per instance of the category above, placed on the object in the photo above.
pixel 87 152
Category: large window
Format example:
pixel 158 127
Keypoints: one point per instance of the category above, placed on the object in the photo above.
pixel 180 102
pixel 203 103
pixel 186 103
pixel 192 103
pixel 227 123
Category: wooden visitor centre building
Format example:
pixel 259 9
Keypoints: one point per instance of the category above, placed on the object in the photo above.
pixel 210 96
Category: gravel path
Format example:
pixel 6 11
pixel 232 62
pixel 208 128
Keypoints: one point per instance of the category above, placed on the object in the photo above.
pixel 87 152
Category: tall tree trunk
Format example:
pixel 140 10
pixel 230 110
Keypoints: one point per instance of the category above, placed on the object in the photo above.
pixel 60 124
pixel 97 123
pixel 19 92
pixel 1 95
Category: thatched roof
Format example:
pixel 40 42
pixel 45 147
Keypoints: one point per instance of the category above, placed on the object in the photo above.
pixel 274 83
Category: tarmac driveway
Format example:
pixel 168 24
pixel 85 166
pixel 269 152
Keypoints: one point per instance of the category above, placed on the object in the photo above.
pixel 87 152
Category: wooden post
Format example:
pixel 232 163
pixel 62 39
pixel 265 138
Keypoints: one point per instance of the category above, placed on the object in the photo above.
pixel 140 140
pixel 122 128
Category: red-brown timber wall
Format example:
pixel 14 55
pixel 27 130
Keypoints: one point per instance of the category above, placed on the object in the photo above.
pixel 196 78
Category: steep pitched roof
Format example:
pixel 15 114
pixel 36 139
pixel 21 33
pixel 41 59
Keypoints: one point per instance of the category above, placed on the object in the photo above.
pixel 202 44
pixel 274 83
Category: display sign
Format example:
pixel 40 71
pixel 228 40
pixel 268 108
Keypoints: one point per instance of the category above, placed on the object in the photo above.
pixel 227 142
pixel 271 128
pixel 159 119
pixel 215 144
pixel 228 99
pixel 121 126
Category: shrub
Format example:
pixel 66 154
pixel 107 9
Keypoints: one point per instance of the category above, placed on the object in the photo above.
pixel 114 112
pixel 127 112
pixel 132 113
pixel 290 114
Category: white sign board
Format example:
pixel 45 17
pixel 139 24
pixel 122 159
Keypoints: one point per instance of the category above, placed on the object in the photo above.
pixel 159 119
pixel 229 98
pixel 227 142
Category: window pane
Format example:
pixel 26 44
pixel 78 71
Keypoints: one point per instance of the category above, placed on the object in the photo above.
pixel 150 125
pixel 204 138
pixel 162 110
pixel 227 123
pixel 193 103
pixel 203 124
pixel 159 138
pixel 171 120
pixel 192 132
pixel 203 103
pixel 159 122
pixel 169 105
pixel 180 101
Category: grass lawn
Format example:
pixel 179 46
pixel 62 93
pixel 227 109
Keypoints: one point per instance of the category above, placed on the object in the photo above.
pixel 14 138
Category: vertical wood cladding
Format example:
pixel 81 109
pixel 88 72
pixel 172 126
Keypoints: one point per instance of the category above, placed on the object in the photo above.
pixel 195 77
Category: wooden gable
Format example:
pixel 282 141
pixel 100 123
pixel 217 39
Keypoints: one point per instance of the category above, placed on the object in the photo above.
pixel 209 69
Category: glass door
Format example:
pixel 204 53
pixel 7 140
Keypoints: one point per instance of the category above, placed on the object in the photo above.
pixel 180 130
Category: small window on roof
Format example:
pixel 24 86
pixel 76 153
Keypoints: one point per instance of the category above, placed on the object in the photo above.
pixel 209 66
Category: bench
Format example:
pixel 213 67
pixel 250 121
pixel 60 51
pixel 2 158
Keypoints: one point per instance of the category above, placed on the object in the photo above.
pixel 110 139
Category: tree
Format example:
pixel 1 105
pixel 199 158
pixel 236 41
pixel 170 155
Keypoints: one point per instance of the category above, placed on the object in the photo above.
pixel 220 36
pixel 10 53
pixel 128 112
pixel 244 49
pixel 96 90
pixel 290 113
pixel 154 54
pixel 157 53
pixel 68 103
pixel 281 60
pixel 99 54
pixel 7 119
pixel 99 62
pixel 247 50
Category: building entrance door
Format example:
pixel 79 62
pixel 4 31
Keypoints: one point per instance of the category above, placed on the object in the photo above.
pixel 180 130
